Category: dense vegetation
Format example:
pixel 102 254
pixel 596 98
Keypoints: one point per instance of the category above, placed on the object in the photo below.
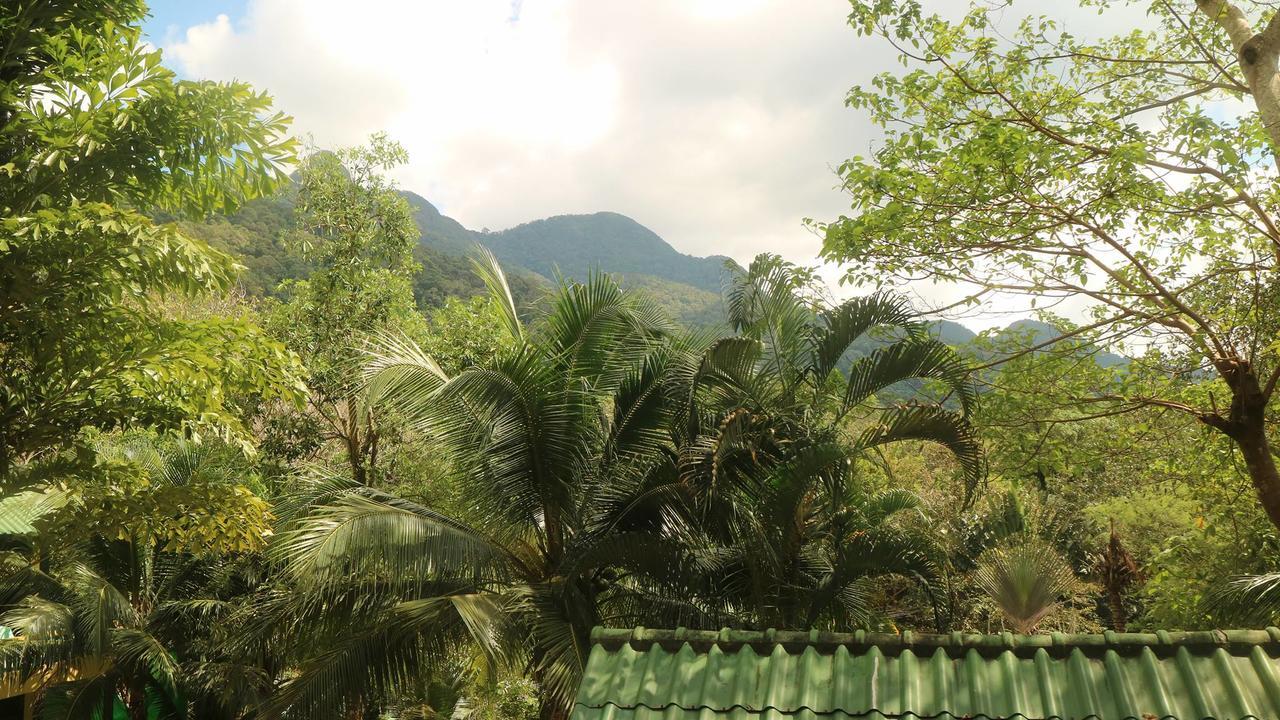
pixel 281 445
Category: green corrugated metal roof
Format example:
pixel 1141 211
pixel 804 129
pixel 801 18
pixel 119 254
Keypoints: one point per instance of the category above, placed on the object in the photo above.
pixel 682 675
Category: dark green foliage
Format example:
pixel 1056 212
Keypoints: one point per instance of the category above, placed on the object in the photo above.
pixel 114 598
pixel 258 237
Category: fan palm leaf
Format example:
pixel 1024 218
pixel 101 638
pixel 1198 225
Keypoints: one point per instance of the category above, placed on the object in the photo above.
pixel 1026 582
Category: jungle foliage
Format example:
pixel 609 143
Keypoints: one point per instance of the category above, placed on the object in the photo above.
pixel 264 453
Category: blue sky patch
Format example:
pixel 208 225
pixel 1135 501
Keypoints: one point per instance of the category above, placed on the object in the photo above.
pixel 171 18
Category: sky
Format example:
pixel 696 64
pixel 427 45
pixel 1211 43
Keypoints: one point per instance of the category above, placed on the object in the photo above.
pixel 716 123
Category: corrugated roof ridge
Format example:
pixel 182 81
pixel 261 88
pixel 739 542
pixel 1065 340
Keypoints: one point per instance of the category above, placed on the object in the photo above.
pixel 872 713
pixel 821 640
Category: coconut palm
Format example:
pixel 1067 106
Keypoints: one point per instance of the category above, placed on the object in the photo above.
pixel 613 473
pixel 777 385
pixel 557 446
pixel 1245 600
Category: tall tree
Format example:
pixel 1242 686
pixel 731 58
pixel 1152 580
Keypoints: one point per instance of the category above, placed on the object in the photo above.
pixel 1136 172
pixel 95 132
pixel 359 234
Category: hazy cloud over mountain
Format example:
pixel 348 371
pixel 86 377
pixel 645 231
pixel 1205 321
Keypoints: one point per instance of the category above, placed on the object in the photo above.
pixel 717 123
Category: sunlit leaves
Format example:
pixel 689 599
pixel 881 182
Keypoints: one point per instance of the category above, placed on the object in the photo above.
pixel 97 117
pixel 1020 157
pixel 95 133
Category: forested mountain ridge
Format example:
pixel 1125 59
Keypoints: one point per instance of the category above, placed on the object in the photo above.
pixel 574 246
pixel 258 235
pixel 440 231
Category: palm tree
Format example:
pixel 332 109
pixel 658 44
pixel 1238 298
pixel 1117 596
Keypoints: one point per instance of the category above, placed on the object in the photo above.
pixel 103 611
pixel 613 473
pixel 773 431
pixel 808 551
pixel 1245 600
pixel 1025 581
pixel 558 446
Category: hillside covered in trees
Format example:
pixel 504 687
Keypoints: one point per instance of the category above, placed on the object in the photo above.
pixel 263 238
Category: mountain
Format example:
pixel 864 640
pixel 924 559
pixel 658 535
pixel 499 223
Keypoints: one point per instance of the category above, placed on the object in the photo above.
pixel 574 246
pixel 259 237
pixel 440 232
pixel 952 333
pixel 687 287
pixel 1029 333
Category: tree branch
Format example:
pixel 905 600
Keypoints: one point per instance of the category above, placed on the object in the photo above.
pixel 1047 343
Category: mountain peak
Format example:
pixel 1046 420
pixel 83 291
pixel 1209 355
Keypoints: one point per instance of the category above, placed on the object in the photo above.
pixel 575 245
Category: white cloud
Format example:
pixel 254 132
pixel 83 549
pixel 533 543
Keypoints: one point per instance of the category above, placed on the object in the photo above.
pixel 715 122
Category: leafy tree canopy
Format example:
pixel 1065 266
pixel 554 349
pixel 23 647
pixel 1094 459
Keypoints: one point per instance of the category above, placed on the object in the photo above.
pixel 1137 172
pixel 95 132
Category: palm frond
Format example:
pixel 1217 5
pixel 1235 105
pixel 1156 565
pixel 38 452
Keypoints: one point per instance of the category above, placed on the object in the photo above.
pixel 385 535
pixel 100 607
pixel 490 272
pixel 879 507
pixel 765 303
pixel 519 435
pixel 399 374
pixel 597 332
pixel 923 358
pixel 636 553
pixel 82 699
pixel 931 424
pixel 46 635
pixel 729 361
pixel 1025 582
pixel 844 324
pixel 385 652
pixel 146 656
pixel 1250 599
pixel 641 415
pixel 312 486
pixel 767 280
pixel 866 555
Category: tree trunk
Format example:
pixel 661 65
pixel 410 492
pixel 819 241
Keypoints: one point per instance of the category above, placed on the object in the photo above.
pixel 107 708
pixel 1246 424
pixel 1261 463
